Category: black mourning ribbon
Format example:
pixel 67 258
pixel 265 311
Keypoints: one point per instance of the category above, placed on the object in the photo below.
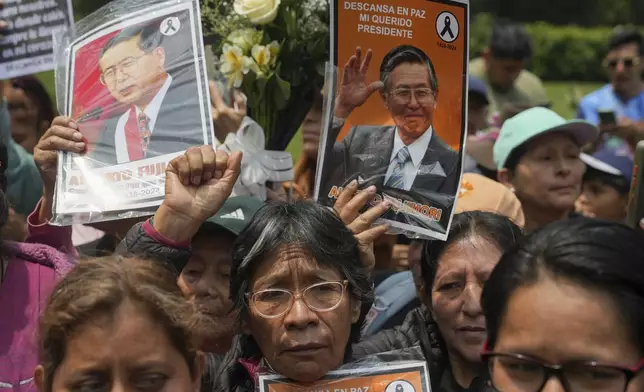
pixel 170 27
pixel 448 27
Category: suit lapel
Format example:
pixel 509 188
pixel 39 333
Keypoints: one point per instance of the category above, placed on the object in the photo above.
pixel 433 168
pixel 375 162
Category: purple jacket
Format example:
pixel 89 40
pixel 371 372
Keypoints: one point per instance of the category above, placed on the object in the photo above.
pixel 32 272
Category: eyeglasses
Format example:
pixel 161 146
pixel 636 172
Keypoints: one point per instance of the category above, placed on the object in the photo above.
pixel 519 373
pixel 320 297
pixel 628 62
pixel 423 95
pixel 126 66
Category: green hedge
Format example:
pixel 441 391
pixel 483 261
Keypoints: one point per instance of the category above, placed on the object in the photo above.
pixel 560 52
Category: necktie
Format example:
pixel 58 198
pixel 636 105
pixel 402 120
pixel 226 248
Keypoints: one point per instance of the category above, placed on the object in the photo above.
pixel 137 134
pixel 144 131
pixel 397 178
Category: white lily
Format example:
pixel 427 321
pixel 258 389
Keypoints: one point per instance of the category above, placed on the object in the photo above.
pixel 234 64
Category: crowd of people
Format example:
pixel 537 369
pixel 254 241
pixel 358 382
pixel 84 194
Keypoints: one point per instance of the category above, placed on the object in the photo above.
pixel 538 287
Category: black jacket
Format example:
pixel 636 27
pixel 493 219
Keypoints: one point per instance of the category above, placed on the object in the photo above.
pixel 419 329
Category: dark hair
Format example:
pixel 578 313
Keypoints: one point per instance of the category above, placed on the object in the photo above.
pixel 598 255
pixel 314 227
pixel 623 35
pixel 149 37
pixel 510 41
pixel 515 157
pixel 96 288
pixel 407 54
pixel 38 94
pixel 619 183
pixel 495 228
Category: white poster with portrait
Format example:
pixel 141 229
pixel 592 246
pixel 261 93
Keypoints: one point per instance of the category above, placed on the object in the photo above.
pixel 134 77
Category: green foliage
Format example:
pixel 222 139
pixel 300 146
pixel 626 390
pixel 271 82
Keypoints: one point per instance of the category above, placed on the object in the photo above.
pixel 560 52
pixel 563 12
pixel 82 8
pixel 280 91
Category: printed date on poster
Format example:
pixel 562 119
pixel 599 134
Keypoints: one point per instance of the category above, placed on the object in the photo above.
pixel 383 19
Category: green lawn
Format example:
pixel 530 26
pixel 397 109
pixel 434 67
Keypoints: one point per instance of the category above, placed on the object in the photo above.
pixel 562 94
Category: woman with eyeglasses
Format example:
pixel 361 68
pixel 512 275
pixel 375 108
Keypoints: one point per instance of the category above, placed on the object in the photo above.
pixel 298 282
pixel 565 311
pixel 450 327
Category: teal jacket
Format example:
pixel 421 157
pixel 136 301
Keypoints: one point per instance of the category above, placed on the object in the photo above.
pixel 24 186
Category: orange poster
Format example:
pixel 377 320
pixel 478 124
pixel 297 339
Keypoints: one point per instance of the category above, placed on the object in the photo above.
pixel 410 377
pixel 396 107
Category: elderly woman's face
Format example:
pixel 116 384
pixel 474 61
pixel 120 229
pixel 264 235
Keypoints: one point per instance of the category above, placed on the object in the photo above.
pixel 549 175
pixel 462 271
pixel 300 342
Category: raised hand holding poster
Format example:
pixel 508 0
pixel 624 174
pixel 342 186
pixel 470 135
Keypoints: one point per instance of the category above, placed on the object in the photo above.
pixel 135 82
pixel 396 113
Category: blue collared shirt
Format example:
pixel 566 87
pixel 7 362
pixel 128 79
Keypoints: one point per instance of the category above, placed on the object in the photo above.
pixel 605 99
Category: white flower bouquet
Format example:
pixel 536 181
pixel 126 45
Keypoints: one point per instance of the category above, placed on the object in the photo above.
pixel 274 51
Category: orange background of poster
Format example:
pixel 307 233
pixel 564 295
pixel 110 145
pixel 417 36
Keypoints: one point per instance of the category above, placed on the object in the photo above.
pixel 375 383
pixel 449 64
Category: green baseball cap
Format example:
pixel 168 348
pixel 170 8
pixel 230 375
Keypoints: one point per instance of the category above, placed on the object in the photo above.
pixel 534 122
pixel 235 214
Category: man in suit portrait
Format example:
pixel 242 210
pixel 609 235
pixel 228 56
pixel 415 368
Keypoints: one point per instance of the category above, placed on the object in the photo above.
pixel 406 160
pixel 163 113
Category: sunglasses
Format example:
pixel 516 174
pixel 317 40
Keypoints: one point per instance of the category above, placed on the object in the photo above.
pixel 628 62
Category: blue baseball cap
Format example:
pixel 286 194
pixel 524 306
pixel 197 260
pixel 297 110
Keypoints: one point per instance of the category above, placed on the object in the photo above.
pixel 476 86
pixel 610 161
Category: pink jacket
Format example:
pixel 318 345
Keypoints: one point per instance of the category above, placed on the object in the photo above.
pixel 32 272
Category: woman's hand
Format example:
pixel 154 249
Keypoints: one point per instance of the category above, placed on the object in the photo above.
pixel 62 135
pixel 227 120
pixel 348 207
pixel 197 184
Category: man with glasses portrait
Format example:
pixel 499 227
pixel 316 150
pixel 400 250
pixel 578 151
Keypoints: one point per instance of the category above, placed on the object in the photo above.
pixel 618 107
pixel 161 100
pixel 405 157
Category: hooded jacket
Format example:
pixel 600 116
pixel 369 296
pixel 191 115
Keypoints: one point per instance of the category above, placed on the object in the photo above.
pixel 31 274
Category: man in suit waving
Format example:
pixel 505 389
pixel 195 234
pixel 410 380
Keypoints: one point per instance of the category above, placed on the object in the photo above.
pixel 407 160
pixel 163 114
